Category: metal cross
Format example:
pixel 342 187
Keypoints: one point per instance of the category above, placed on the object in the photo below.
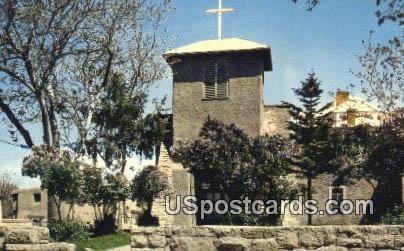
pixel 219 12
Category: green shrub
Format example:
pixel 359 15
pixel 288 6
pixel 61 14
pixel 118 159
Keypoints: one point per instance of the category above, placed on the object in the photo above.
pixel 69 231
pixel 393 216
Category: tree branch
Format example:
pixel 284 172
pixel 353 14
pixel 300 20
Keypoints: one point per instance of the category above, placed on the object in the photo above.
pixel 14 120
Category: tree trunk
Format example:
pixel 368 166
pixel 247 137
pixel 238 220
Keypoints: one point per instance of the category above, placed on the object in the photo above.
pixel 58 207
pixel 123 161
pixel 309 197
pixel 45 120
pixel 70 215
pixel 52 208
pixel 52 119
pixel 149 208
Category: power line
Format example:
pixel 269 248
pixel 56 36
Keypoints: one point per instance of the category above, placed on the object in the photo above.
pixel 14 144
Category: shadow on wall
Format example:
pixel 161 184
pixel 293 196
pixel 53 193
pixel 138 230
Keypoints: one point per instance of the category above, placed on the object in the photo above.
pixel 385 196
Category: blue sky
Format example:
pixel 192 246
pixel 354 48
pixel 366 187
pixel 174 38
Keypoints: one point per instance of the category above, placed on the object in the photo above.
pixel 326 40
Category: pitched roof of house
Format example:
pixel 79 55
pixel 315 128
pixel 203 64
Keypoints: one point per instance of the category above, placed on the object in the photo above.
pixel 354 103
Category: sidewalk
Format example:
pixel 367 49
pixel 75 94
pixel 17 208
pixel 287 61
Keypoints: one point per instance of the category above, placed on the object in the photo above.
pixel 124 248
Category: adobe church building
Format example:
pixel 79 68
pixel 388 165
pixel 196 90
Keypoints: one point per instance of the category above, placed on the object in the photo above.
pixel 224 79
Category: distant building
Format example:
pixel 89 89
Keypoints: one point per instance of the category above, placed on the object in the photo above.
pixel 32 204
pixel 27 204
pixel 348 110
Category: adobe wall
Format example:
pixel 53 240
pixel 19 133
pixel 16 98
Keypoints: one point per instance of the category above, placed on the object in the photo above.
pixel 231 238
pixel 360 189
pixel 180 182
pixel 244 106
pixel 27 208
pixel 275 121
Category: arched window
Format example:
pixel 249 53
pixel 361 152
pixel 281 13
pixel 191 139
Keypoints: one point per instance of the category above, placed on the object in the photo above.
pixel 216 78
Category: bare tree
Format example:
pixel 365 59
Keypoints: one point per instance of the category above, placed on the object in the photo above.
pixel 7 186
pixel 392 10
pixel 382 73
pixel 57 56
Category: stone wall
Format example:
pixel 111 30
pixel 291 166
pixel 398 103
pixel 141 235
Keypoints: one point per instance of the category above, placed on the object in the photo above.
pixel 29 238
pixel 206 238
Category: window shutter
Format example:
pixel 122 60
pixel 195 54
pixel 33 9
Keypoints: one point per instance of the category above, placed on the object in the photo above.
pixel 209 75
pixel 221 68
pixel 222 80
pixel 216 80
pixel 221 90
pixel 210 72
pixel 210 92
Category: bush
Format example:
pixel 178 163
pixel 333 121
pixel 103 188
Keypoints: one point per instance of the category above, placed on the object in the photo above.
pixel 69 231
pixel 105 226
pixel 394 216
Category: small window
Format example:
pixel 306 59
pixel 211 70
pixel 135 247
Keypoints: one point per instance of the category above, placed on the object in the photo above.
pixel 216 80
pixel 351 115
pixel 14 197
pixel 337 194
pixel 37 197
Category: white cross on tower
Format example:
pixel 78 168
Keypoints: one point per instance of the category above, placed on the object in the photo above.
pixel 220 12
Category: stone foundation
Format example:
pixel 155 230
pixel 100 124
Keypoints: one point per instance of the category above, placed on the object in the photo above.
pixel 29 238
pixel 230 238
pixel 18 222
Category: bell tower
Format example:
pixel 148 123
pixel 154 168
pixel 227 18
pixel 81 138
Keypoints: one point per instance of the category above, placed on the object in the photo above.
pixel 221 78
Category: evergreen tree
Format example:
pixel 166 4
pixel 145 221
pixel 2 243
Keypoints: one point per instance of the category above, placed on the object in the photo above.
pixel 310 128
pixel 122 127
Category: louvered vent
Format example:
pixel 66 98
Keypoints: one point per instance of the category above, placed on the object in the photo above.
pixel 221 90
pixel 210 81
pixel 216 80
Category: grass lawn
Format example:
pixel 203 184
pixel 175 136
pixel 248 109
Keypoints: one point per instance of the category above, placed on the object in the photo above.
pixel 104 242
